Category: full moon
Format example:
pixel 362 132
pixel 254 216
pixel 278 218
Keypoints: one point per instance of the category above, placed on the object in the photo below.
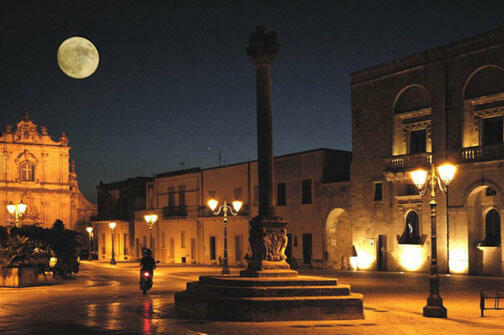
pixel 77 57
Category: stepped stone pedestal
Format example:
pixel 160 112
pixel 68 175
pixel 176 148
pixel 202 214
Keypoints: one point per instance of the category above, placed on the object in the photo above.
pixel 234 298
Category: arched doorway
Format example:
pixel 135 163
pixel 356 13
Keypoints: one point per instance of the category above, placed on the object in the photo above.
pixel 484 230
pixel 338 239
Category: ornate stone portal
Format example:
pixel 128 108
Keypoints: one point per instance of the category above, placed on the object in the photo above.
pixel 268 289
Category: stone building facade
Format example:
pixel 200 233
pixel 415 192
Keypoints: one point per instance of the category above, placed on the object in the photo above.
pixel 307 193
pixel 444 104
pixel 117 202
pixel 37 170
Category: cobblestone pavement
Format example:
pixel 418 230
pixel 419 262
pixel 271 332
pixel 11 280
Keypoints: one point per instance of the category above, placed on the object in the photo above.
pixel 106 300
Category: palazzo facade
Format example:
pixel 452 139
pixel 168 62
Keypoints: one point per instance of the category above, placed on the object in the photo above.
pixel 36 170
pixel 310 192
pixel 443 104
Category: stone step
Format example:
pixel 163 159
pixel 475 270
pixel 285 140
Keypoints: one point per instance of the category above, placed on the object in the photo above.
pixel 236 281
pixel 270 308
pixel 201 289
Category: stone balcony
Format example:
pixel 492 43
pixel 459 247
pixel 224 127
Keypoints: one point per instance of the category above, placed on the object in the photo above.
pixel 481 153
pixel 397 167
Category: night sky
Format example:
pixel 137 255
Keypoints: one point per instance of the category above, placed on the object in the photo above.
pixel 175 87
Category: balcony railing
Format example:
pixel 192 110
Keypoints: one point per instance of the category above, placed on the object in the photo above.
pixel 407 162
pixel 482 153
pixel 175 212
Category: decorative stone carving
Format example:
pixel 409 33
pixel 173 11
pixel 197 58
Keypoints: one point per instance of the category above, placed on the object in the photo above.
pixel 275 241
pixel 26 131
pixel 26 155
pixel 64 139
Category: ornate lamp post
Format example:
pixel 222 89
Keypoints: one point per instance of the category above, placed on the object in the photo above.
pixel 17 210
pixel 112 226
pixel 151 220
pixel 89 229
pixel 212 204
pixel 434 307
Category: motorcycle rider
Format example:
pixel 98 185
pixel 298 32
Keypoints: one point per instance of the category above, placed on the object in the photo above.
pixel 147 262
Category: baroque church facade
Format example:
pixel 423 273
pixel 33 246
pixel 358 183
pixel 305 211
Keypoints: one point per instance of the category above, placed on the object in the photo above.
pixel 36 170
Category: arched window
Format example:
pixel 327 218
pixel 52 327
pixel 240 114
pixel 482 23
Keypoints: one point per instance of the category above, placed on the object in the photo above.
pixel 411 234
pixel 492 229
pixel 27 171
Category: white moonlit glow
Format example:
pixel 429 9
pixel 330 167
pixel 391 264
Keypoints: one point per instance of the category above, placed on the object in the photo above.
pixel 77 57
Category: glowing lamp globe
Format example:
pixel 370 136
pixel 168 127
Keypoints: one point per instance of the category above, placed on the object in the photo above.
pixel 419 177
pixel 89 229
pixel 11 207
pixel 112 225
pixel 447 172
pixel 237 205
pixel 212 204
pixel 22 207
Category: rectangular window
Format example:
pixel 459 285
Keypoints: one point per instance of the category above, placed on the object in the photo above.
pixel 306 192
pixel 238 193
pixel 281 201
pixel 378 192
pixel 417 141
pixel 172 248
pixel 212 248
pixel 171 197
pixel 181 194
pixel 103 247
pixel 144 240
pixel 125 244
pixel 238 248
pixel 492 130
pixel 150 194
pixel 256 194
pixel 182 239
pixel 411 189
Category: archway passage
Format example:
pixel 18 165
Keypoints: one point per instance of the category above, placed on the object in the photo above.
pixel 484 230
pixel 338 241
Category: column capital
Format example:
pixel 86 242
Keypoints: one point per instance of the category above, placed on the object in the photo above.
pixel 263 47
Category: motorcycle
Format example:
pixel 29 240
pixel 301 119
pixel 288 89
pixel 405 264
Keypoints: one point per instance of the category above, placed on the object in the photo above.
pixel 145 280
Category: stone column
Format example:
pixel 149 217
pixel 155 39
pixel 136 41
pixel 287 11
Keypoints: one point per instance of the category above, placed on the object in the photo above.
pixel 267 234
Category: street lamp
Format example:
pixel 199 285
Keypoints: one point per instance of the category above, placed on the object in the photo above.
pixel 89 229
pixel 151 220
pixel 212 204
pixel 112 226
pixel 434 307
pixel 17 210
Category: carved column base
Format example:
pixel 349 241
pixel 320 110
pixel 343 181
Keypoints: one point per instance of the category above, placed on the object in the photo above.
pixel 268 241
